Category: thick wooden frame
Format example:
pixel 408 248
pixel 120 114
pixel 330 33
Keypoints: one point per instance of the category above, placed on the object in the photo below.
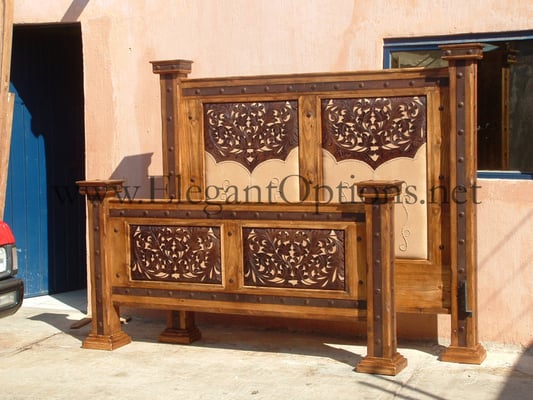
pixel 377 283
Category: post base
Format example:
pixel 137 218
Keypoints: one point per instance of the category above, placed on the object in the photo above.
pixel 180 336
pixel 464 355
pixel 381 365
pixel 106 342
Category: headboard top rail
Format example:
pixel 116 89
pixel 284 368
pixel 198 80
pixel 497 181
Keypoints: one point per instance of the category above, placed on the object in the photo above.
pixel 314 83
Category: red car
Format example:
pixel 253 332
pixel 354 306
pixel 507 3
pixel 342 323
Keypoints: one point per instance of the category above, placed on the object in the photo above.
pixel 11 288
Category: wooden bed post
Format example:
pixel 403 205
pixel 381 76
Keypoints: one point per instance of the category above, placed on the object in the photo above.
pixel 181 327
pixel 106 332
pixel 170 72
pixel 382 355
pixel 465 346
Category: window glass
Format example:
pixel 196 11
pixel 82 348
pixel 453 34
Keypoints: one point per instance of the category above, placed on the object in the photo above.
pixel 505 98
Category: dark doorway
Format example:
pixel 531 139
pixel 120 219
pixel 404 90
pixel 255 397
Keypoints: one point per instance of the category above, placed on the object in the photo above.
pixel 47 157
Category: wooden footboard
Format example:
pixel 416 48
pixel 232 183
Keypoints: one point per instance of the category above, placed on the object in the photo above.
pixel 291 261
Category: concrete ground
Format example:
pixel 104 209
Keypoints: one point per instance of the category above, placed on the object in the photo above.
pixel 41 358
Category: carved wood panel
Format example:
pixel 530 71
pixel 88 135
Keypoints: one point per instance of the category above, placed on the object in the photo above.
pixel 175 253
pixel 373 130
pixel 250 133
pixel 294 258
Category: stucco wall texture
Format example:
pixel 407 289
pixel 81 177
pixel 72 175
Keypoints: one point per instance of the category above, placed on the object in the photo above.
pixel 245 37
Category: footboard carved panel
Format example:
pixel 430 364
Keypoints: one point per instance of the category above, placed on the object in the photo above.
pixel 294 258
pixel 175 253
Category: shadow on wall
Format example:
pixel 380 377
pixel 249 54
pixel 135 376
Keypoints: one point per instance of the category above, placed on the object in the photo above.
pixel 75 10
pixel 133 170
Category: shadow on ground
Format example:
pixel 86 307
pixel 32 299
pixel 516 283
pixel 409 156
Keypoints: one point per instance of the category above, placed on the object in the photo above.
pixel 519 380
pixel 224 336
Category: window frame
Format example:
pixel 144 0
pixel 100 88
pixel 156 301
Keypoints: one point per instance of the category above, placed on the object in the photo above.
pixel 391 45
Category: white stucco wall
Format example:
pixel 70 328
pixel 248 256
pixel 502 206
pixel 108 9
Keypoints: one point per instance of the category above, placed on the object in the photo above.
pixel 244 37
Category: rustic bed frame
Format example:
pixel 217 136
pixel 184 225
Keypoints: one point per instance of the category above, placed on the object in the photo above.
pixel 292 196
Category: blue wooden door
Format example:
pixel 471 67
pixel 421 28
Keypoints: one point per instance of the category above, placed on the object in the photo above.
pixel 43 208
pixel 26 200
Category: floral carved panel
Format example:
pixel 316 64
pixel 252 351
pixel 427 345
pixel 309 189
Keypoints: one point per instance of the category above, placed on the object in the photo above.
pixel 373 130
pixel 175 253
pixel 250 133
pixel 294 258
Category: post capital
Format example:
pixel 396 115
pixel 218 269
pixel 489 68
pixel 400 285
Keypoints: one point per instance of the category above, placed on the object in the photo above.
pixel 99 189
pixel 181 68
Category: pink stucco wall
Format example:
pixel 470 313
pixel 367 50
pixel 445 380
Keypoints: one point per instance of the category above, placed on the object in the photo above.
pixel 505 261
pixel 243 37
